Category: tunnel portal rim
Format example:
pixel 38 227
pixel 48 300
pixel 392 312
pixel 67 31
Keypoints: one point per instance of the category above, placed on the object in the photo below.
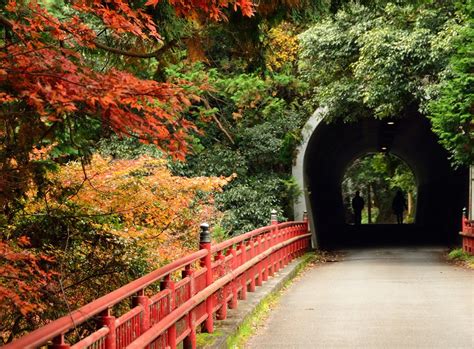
pixel 421 169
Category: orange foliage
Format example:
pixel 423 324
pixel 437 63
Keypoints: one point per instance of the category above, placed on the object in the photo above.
pixel 22 279
pixel 160 210
pixel 115 220
pixel 212 9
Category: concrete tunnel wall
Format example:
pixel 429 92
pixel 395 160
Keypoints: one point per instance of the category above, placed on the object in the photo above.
pixel 328 149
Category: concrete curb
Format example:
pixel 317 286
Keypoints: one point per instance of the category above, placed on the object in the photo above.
pixel 224 329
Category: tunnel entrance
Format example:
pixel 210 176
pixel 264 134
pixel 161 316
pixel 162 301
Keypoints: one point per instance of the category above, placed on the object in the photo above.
pixel 330 148
pixel 386 185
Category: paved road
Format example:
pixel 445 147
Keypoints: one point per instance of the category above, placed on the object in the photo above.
pixel 379 298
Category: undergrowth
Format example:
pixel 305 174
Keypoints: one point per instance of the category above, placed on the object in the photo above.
pixel 458 255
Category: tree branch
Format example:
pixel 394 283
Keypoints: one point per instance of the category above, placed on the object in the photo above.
pixel 7 23
pixel 91 276
pixel 155 53
pixel 219 124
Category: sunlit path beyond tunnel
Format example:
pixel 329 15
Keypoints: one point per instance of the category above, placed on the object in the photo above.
pixel 376 298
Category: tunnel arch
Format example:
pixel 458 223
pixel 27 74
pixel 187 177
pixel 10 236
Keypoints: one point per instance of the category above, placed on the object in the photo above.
pixel 327 149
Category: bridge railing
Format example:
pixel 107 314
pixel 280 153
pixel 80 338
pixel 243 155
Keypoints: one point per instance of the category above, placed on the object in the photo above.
pixel 193 290
pixel 467 233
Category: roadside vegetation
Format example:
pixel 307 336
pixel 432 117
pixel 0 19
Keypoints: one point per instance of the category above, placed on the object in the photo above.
pixel 459 256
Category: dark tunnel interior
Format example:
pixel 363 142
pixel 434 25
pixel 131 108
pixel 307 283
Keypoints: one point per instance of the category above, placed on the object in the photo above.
pixel 442 190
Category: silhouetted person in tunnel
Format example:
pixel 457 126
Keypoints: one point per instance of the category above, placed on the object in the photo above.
pixel 399 205
pixel 357 205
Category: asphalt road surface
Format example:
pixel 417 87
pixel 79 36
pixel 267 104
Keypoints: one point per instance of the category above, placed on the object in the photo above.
pixel 377 298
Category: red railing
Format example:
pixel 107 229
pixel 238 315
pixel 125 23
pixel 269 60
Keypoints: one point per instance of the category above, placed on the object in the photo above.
pixel 467 234
pixel 212 279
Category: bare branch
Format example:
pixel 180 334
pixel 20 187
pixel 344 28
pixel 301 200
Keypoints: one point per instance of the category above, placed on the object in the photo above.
pixel 155 53
pixel 219 124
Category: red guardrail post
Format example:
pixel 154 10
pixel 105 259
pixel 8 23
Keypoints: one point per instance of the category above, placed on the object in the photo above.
pixel 273 237
pixel 108 320
pixel 243 258
pixel 205 243
pixel 465 221
pixel 167 283
pixel 259 266
pixel 144 301
pixel 290 247
pixel 58 343
pixel 294 249
pixel 222 312
pixel 284 250
pixel 280 251
pixel 266 261
pixel 289 255
pixel 251 272
pixel 233 265
pixel 276 240
pixel 305 230
pixel 190 341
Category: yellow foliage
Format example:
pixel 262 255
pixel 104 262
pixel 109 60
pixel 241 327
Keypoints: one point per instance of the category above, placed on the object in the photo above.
pixel 282 46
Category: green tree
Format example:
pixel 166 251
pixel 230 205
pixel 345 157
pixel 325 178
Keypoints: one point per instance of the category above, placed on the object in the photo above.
pixel 388 61
pixel 257 122
pixel 452 108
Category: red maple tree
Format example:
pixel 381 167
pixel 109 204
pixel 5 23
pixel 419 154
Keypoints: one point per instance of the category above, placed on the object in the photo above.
pixel 43 69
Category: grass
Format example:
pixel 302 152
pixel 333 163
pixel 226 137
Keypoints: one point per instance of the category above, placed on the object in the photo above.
pixel 206 338
pixel 256 320
pixel 458 255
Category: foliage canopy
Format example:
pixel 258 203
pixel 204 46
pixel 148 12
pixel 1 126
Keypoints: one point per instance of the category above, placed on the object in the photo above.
pixel 394 60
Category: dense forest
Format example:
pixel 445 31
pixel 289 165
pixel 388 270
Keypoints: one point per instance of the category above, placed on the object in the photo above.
pixel 124 124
